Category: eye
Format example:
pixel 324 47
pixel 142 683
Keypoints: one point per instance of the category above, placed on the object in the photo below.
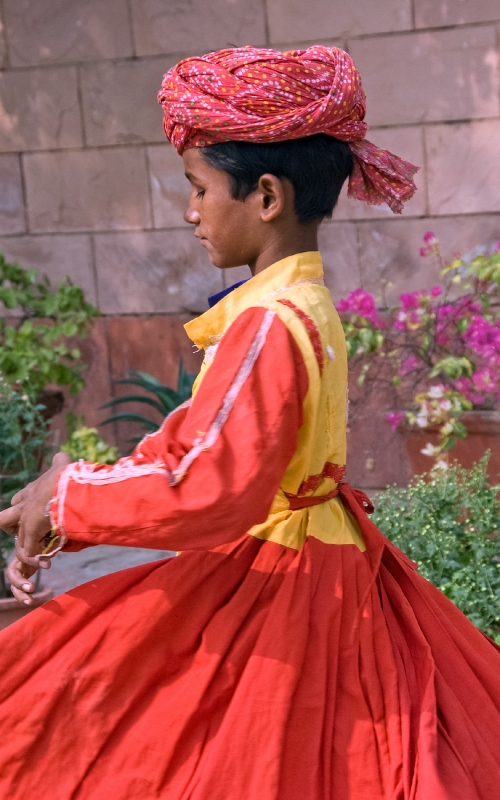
pixel 200 194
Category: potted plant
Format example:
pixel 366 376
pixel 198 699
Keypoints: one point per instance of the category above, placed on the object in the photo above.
pixel 37 357
pixel 436 355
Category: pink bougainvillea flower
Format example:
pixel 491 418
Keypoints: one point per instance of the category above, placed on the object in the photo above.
pixel 445 312
pixel 462 385
pixel 432 244
pixel 436 291
pixel 410 300
pixel 467 388
pixel 363 303
pixel 410 364
pixel 395 418
pixel 485 379
pixel 483 337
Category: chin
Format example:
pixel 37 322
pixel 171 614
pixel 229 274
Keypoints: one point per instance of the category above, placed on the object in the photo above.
pixel 224 263
pixel 222 260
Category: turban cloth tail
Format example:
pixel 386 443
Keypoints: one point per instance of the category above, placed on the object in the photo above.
pixel 263 96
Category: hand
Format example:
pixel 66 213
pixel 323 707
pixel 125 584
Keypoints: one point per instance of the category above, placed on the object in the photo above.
pixel 27 518
pixel 18 574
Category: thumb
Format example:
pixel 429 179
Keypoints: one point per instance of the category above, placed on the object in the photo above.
pixel 61 460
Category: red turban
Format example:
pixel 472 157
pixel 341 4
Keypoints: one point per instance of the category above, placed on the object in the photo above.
pixel 256 95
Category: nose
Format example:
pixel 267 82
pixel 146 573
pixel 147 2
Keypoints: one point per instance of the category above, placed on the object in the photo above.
pixel 192 216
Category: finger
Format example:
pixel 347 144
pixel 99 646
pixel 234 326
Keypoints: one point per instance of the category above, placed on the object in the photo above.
pixel 21 586
pixel 22 597
pixel 33 526
pixel 37 561
pixel 21 494
pixel 18 575
pixel 18 497
pixel 10 518
pixel 61 460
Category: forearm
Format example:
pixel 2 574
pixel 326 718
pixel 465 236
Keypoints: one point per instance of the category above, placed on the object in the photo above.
pixel 147 512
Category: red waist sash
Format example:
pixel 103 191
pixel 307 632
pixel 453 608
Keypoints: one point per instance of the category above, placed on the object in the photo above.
pixel 343 490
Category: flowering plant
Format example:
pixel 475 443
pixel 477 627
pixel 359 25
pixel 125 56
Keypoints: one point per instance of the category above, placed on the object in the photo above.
pixel 438 350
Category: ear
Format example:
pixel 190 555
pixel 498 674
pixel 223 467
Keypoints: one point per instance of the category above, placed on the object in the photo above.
pixel 271 197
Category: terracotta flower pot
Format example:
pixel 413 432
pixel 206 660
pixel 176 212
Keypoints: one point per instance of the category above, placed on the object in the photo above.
pixel 11 610
pixel 483 433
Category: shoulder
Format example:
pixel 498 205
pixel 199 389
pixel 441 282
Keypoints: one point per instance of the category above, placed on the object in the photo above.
pixel 313 321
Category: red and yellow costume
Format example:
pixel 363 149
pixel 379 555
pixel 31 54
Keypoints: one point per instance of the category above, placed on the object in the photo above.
pixel 289 651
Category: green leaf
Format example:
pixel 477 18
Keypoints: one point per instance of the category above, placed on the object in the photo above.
pixel 459 429
pixel 126 416
pixel 453 366
pixel 168 397
pixel 134 398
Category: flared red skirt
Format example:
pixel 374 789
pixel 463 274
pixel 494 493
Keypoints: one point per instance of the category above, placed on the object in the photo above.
pixel 253 672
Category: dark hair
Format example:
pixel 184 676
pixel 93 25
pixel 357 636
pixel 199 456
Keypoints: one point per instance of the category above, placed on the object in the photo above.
pixel 316 166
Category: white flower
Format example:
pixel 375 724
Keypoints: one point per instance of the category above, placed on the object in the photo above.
pixel 445 404
pixel 446 429
pixel 435 391
pixel 421 420
pixel 441 465
pixel 429 450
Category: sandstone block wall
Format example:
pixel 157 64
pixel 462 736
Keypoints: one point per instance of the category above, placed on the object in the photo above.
pixel 90 189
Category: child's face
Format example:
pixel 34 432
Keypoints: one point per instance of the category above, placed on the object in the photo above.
pixel 229 229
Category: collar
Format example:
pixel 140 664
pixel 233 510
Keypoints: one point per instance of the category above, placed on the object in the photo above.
pixel 215 298
pixel 208 328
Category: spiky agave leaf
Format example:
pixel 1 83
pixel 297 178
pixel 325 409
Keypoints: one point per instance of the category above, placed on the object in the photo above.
pixel 126 416
pixel 135 398
pixel 164 399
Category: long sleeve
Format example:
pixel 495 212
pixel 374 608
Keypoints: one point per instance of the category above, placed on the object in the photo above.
pixel 213 469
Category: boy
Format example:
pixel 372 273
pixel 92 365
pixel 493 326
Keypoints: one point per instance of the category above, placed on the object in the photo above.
pixel 289 652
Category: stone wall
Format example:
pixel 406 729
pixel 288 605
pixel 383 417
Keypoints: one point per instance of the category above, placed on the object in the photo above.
pixel 90 189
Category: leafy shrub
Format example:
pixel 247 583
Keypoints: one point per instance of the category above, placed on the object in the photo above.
pixel 23 440
pixel 86 443
pixel 448 522
pixel 23 445
pixel 34 352
pixel 33 347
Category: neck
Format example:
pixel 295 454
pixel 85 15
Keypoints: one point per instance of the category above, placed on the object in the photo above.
pixel 300 241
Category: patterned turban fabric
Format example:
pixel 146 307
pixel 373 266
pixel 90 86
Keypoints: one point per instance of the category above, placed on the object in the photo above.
pixel 257 95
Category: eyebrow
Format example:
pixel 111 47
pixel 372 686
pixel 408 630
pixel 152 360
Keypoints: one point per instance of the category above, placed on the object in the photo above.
pixel 191 177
